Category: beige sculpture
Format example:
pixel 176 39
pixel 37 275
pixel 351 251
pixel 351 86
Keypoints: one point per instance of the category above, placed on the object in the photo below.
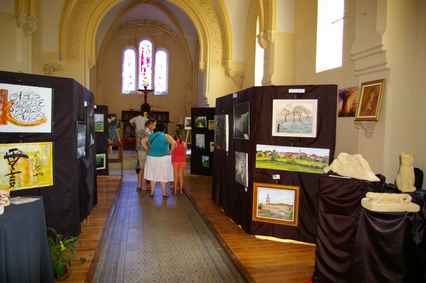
pixel 352 165
pixel 386 202
pixel 405 178
pixel 4 200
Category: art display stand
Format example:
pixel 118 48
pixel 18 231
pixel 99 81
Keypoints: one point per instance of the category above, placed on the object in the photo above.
pixel 202 137
pixel 73 194
pixel 236 198
pixel 101 140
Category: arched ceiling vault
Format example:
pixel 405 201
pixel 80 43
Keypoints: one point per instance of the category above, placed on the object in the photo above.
pixel 81 20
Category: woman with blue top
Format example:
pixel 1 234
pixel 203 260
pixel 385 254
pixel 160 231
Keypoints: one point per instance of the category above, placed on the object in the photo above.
pixel 158 164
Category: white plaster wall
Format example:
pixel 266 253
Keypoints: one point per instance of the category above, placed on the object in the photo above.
pixel 285 15
pixel 405 42
pixel 11 41
pixel 50 20
pixel 347 134
pixel 238 12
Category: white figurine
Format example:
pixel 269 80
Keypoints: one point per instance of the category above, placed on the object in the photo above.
pixel 405 178
pixel 386 202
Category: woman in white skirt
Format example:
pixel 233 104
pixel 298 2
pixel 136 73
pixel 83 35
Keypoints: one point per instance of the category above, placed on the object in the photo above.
pixel 158 164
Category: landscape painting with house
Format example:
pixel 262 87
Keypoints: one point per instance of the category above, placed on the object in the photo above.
pixel 288 158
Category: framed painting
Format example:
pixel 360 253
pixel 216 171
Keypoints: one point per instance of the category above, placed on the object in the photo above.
pixel 99 123
pixel 100 161
pixel 26 165
pixel 187 123
pixel 200 141
pixel 241 168
pixel 292 158
pixel 370 101
pixel 81 140
pixel 347 102
pixel 221 133
pixel 277 204
pixel 294 118
pixel 200 122
pixel 25 109
pixel 211 125
pixel 205 161
pixel 242 121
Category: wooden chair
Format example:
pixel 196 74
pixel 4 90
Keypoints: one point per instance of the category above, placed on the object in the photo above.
pixel 119 159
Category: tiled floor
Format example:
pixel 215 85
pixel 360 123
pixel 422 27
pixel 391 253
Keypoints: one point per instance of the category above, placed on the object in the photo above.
pixel 160 240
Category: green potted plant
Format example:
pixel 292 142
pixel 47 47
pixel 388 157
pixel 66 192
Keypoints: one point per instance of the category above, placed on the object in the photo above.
pixel 62 251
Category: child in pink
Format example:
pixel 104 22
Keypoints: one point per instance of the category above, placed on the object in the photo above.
pixel 179 163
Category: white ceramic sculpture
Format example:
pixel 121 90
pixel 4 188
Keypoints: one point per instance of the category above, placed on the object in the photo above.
pixel 386 202
pixel 4 200
pixel 352 165
pixel 405 178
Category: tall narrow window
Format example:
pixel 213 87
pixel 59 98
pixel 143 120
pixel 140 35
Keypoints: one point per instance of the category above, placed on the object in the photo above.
pixel 329 34
pixel 145 64
pixel 128 75
pixel 161 72
pixel 259 58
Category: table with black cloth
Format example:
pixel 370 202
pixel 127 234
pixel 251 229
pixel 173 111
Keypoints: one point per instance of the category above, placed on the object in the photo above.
pixel 24 250
pixel 358 245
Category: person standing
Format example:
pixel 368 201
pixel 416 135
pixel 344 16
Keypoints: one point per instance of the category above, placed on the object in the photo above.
pixel 138 122
pixel 113 136
pixel 142 153
pixel 158 165
pixel 179 163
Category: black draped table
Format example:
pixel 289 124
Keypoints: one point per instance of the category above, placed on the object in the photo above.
pixel 355 245
pixel 24 250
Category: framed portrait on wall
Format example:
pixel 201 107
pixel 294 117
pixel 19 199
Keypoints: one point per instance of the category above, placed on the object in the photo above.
pixel 277 204
pixel 347 101
pixel 370 101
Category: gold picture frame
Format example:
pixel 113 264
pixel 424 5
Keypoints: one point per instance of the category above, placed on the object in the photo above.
pixel 277 204
pixel 370 101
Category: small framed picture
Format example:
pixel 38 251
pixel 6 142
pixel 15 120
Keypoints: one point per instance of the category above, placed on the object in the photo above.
pixel 200 122
pixel 100 161
pixel 370 101
pixel 187 123
pixel 277 204
pixel 211 125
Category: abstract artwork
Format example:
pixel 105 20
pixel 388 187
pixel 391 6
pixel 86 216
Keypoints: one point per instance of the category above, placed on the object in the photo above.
pixel 25 109
pixel 221 134
pixel 289 158
pixel 211 146
pixel 347 102
pixel 200 141
pixel 99 123
pixel 370 101
pixel 294 117
pixel 205 161
pixel 100 161
pixel 241 168
pixel 278 204
pixel 242 120
pixel 26 165
pixel 200 122
pixel 187 123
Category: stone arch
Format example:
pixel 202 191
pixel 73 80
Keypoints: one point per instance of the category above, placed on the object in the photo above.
pixel 81 20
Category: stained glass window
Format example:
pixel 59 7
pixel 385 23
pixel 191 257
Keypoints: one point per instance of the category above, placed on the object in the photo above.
pixel 161 72
pixel 145 64
pixel 128 74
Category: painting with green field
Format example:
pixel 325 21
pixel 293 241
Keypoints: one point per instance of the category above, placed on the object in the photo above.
pixel 290 158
